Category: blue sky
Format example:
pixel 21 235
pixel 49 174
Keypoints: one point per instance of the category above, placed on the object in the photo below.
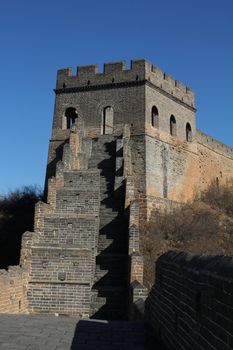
pixel 191 40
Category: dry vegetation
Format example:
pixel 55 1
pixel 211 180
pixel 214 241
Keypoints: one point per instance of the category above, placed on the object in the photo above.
pixel 16 217
pixel 204 226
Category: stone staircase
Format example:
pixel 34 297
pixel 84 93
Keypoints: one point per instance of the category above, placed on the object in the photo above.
pixel 63 248
pixel 109 292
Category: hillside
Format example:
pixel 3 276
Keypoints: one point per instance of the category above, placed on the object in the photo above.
pixel 204 226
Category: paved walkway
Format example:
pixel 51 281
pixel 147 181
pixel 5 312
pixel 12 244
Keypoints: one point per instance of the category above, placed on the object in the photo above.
pixel 34 332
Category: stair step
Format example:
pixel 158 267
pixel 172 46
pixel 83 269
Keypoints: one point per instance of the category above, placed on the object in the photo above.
pixel 109 278
pixel 109 293
pixel 114 245
pixel 109 302
pixel 111 267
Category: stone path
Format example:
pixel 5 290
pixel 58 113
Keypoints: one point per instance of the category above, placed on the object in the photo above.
pixel 34 332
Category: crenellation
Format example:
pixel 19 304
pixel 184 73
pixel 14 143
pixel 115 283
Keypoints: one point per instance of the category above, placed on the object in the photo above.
pixel 87 70
pixel 116 73
pixel 64 72
pixel 214 144
pixel 171 86
pixel 62 75
pixel 113 67
pixel 140 66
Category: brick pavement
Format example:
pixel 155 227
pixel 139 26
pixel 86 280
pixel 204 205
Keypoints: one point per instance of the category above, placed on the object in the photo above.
pixel 35 332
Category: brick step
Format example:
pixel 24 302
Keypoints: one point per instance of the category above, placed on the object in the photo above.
pixel 114 210
pixel 111 269
pixel 104 147
pixel 112 221
pixel 114 231
pixel 106 142
pixel 104 137
pixel 107 177
pixel 103 164
pixel 108 245
pixel 110 275
pixel 103 155
pixel 109 303
pixel 100 154
pixel 113 257
pixel 103 150
pixel 107 187
pixel 110 210
pixel 108 206
pixel 114 182
pixel 102 158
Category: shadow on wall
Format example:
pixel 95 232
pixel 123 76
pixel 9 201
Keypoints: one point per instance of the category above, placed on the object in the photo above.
pixel 109 291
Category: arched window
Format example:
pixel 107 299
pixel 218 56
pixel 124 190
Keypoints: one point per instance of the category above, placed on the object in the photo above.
pixel 188 132
pixel 70 114
pixel 155 117
pixel 173 125
pixel 107 121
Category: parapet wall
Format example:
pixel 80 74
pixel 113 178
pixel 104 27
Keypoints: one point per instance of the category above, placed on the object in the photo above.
pixel 214 144
pixel 13 287
pixel 88 77
pixel 191 304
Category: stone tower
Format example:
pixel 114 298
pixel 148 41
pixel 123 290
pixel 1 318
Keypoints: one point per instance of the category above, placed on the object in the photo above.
pixel 124 145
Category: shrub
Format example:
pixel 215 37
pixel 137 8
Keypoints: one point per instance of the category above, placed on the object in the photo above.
pixel 204 226
pixel 220 197
pixel 16 217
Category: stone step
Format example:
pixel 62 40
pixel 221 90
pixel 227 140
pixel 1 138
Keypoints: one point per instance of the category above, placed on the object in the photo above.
pixel 111 222
pixel 110 275
pixel 109 302
pixel 107 245
pixel 113 236
pixel 103 258
pixel 102 162
pixel 111 209
pixel 104 137
pixel 111 269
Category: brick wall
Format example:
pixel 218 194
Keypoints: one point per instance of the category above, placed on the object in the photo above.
pixel 191 304
pixel 137 291
pixel 64 245
pixel 13 285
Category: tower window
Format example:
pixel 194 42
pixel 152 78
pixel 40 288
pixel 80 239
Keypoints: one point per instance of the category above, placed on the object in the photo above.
pixel 188 132
pixel 107 121
pixel 71 115
pixel 155 117
pixel 173 125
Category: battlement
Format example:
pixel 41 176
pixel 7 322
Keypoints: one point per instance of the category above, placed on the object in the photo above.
pixel 115 74
pixel 214 144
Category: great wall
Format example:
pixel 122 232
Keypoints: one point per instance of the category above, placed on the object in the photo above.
pixel 124 145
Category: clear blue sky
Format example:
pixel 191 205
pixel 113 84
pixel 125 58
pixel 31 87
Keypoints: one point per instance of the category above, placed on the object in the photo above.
pixel 191 40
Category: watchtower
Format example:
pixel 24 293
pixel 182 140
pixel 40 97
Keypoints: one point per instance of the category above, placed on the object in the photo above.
pixel 159 110
pixel 124 145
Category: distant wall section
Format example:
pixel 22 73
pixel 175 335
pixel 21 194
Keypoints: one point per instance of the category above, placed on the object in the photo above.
pixel 215 161
pixel 178 171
